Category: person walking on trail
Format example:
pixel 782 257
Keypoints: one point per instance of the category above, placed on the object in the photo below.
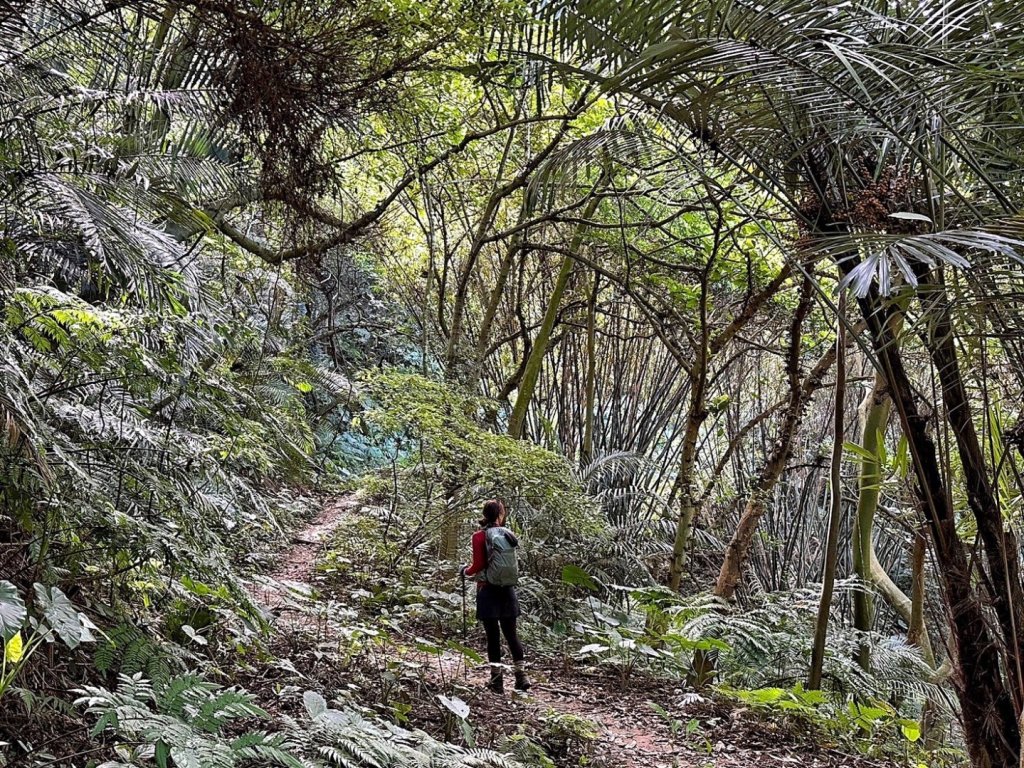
pixel 496 571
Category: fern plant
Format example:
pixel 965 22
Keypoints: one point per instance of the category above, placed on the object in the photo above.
pixel 330 738
pixel 181 725
pixel 767 645
pixel 192 723
pixel 128 650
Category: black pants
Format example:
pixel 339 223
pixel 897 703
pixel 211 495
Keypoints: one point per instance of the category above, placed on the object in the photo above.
pixel 494 629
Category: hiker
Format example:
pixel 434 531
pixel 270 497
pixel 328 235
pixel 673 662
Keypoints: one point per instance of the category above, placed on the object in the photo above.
pixel 496 572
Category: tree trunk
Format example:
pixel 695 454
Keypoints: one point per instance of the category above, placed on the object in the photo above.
pixel 517 421
pixel 498 291
pixel 990 725
pixel 528 384
pixel 874 416
pixel 916 632
pixel 835 512
pixel 497 195
pixel 1000 545
pixel 590 396
pixel 706 348
pixel 686 481
pixel 739 546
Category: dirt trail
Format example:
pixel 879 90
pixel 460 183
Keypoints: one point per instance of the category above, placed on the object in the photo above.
pixel 291 580
pixel 630 733
pixel 299 560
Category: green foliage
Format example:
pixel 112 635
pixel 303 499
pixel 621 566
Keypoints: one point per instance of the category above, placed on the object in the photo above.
pixel 136 421
pixel 526 751
pixel 690 730
pixel 128 651
pixel 440 426
pixel 567 737
pixel 331 738
pixel 769 641
pixel 871 726
pixel 169 385
pixel 55 618
pixel 12 610
pixel 70 625
pixel 182 725
pixel 639 628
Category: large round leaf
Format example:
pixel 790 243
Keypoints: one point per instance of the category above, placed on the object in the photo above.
pixel 12 610
pixel 60 613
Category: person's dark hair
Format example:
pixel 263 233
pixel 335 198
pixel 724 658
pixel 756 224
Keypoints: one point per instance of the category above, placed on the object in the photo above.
pixel 492 511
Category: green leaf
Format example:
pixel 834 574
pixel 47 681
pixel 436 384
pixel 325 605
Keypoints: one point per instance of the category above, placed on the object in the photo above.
pixel 908 216
pixel 812 697
pixel 911 730
pixel 768 695
pixel 859 451
pixel 470 653
pixel 194 636
pixel 60 613
pixel 428 647
pixel 577 577
pixel 467 733
pixel 12 610
pixel 185 758
pixel 658 708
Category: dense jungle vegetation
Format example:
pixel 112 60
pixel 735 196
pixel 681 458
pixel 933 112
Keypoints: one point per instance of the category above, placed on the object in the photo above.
pixel 721 297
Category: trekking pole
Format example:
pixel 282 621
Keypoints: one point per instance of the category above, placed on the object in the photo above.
pixel 462 576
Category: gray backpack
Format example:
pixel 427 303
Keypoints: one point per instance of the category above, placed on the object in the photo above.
pixel 502 566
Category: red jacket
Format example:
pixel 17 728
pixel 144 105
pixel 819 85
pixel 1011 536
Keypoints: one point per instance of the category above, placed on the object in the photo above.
pixel 479 564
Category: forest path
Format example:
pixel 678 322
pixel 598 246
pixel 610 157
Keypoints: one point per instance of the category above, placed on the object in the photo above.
pixel 629 732
pixel 299 561
pixel 290 583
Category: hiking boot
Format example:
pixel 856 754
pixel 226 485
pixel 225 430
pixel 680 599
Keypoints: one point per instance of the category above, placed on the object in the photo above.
pixel 497 681
pixel 522 681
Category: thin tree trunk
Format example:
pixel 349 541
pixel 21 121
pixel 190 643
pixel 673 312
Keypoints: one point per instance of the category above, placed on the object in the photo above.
pixel 686 484
pixel 739 546
pixel 497 196
pixel 706 348
pixel 590 384
pixel 874 416
pixel 697 413
pixel 494 301
pixel 517 421
pixel 916 632
pixel 531 373
pixel 832 544
pixel 1021 749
